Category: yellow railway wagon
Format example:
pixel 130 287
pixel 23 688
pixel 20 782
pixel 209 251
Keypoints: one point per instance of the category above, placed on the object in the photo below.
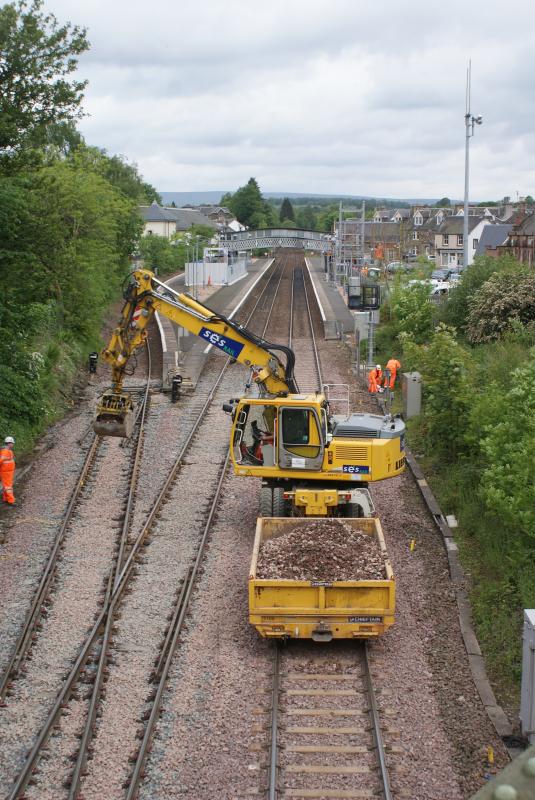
pixel 320 610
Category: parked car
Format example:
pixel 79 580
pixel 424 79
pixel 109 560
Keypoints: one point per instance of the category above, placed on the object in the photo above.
pixel 395 266
pixel 442 274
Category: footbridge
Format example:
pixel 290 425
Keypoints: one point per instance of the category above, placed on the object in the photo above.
pixel 270 238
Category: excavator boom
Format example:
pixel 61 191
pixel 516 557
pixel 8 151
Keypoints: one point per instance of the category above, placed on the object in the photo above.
pixel 145 295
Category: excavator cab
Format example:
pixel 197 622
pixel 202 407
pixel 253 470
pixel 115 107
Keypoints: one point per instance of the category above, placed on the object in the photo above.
pixel 114 415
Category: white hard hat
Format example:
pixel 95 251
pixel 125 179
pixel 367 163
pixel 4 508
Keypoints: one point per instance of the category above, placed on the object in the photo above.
pixel 9 440
pixel 377 366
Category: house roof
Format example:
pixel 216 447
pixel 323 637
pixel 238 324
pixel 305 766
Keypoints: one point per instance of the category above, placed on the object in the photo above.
pixel 384 213
pixel 382 231
pixel 456 224
pixel 526 226
pixel 491 237
pixel 153 213
pixel 183 217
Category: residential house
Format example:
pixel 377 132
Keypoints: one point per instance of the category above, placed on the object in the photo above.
pixel 218 214
pixel 166 221
pixel 382 215
pixel 476 211
pixel 492 237
pixel 419 238
pixel 401 215
pixel 521 241
pixel 449 239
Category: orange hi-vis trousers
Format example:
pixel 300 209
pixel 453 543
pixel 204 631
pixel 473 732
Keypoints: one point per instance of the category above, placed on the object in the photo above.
pixel 390 382
pixel 7 471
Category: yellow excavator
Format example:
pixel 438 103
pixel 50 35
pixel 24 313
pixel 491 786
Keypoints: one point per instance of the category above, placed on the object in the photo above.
pixel 311 462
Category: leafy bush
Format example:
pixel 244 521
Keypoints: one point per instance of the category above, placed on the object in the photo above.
pixel 455 311
pixel 412 311
pixel 160 255
pixel 505 299
pixel 445 366
pixel 508 479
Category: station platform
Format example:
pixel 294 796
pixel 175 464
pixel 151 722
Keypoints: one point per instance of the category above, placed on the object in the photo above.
pixel 337 318
pixel 184 353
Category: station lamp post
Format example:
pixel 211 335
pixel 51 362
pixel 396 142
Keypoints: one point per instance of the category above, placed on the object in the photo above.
pixel 469 122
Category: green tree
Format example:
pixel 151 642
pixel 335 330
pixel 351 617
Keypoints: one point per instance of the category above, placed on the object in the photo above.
pixel 162 256
pixel 64 252
pixel 305 217
pixel 508 480
pixel 455 311
pixel 286 211
pixel 249 206
pixel 444 202
pixel 327 219
pixel 445 368
pixel 115 169
pixel 412 312
pixel 505 300
pixel 37 96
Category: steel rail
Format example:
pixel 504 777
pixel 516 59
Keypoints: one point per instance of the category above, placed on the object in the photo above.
pixel 32 618
pixel 273 752
pixel 163 666
pixel 120 583
pixel 291 321
pixel 270 311
pixel 376 727
pixel 313 338
pixel 179 616
pixel 22 780
pixel 89 726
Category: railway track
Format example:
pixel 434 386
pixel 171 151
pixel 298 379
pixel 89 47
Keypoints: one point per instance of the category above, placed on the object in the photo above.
pixel 325 737
pixel 106 482
pixel 127 656
pixel 325 733
pixel 94 663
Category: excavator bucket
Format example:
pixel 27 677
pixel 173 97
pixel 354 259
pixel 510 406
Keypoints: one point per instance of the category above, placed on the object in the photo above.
pixel 114 415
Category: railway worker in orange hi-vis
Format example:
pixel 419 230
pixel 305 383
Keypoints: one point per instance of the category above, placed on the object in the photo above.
pixel 7 470
pixel 392 367
pixel 374 379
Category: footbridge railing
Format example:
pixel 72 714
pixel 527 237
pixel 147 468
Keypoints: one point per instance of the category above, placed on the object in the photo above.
pixel 269 238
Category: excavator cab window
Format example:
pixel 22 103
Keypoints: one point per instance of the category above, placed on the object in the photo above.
pixel 301 443
pixel 254 435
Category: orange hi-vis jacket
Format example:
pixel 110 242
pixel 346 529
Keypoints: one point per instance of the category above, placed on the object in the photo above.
pixel 393 365
pixel 374 379
pixel 7 470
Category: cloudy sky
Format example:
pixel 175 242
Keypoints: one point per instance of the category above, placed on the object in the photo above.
pixel 324 96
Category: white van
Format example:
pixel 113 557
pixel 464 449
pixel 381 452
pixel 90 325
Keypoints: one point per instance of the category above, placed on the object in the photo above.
pixel 441 289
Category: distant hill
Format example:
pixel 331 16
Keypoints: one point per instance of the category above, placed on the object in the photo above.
pixel 213 197
pixel 191 198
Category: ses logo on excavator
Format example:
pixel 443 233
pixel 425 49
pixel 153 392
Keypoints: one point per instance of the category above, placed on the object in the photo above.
pixel 229 346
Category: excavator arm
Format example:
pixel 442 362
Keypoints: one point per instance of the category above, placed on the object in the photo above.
pixel 145 295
